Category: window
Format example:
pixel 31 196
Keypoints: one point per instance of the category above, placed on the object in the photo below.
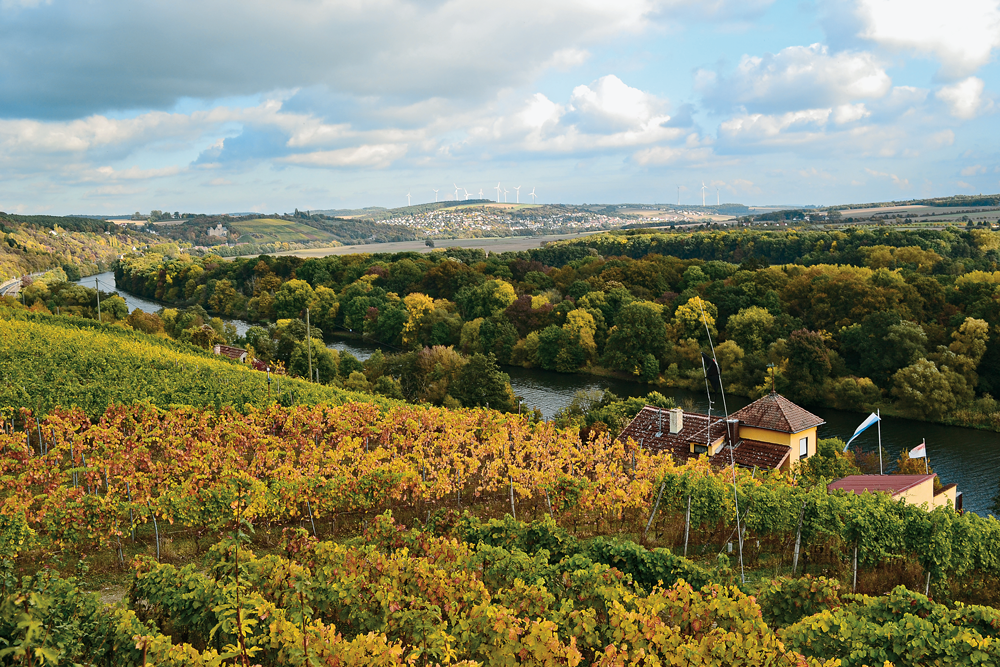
pixel 700 449
pixel 803 448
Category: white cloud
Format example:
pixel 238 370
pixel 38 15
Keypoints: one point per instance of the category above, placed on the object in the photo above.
pixel 961 35
pixel 399 49
pixel 612 105
pixel 973 170
pixel 761 126
pixel 965 98
pixel 797 77
pixel 664 155
pixel 903 183
pixel 567 59
pixel 605 115
pixel 377 156
pixel 849 113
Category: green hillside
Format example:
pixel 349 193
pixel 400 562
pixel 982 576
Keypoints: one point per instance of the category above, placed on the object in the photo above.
pixel 270 230
pixel 74 362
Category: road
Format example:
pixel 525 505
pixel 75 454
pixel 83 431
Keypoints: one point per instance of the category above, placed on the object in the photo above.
pixel 13 286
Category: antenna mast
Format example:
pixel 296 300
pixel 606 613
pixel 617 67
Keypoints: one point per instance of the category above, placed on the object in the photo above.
pixel 732 459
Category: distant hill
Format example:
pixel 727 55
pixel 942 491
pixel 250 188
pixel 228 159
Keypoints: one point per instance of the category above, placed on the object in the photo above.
pixel 39 243
pixel 380 213
pixel 954 201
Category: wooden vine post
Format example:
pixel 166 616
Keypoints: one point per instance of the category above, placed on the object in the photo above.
pixel 798 539
pixel 687 526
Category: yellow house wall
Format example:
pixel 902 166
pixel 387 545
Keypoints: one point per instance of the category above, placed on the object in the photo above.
pixel 778 438
pixel 942 498
pixel 920 494
pixel 764 435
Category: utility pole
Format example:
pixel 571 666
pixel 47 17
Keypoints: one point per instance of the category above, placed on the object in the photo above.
pixel 309 349
pixel 97 286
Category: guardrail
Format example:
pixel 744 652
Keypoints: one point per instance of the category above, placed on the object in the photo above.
pixel 9 287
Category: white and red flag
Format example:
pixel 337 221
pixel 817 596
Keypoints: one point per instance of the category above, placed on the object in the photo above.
pixel 919 452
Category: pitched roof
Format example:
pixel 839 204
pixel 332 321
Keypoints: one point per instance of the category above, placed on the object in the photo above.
pixel 651 428
pixel 753 453
pixel 774 412
pixel 892 484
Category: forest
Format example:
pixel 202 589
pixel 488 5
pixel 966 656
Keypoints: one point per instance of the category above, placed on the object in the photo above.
pixel 908 321
pixel 80 246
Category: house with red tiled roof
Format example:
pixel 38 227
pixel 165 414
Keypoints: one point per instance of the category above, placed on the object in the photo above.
pixel 770 433
pixel 234 353
pixel 913 489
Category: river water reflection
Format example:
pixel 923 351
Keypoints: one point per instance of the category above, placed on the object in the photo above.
pixel 967 457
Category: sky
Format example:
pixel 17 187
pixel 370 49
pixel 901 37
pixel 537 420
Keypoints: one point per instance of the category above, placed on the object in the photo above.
pixel 115 106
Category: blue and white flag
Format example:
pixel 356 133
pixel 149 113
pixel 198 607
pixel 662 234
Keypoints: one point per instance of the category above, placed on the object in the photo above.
pixel 872 419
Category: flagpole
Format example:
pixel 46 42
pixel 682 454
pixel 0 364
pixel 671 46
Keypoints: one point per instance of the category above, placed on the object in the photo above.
pixel 878 412
pixel 925 456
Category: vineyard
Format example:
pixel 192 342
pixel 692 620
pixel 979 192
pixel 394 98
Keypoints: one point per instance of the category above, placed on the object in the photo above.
pixel 474 593
pixel 332 531
pixel 47 361
pixel 89 486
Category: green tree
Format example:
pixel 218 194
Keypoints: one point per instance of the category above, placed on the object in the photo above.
pixel 293 297
pixel 485 299
pixel 638 331
pixel 922 388
pixel 808 366
pixel 752 328
pixel 829 463
pixel 481 383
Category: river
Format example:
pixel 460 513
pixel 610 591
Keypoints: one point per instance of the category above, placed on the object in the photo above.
pixel 967 457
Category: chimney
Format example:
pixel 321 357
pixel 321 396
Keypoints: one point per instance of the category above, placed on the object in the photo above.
pixel 676 420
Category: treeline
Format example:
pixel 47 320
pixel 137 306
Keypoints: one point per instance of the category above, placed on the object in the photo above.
pixel 11 221
pixel 886 318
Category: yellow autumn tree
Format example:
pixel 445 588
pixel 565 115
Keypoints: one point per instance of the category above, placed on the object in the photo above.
pixel 689 319
pixel 418 306
pixel 581 327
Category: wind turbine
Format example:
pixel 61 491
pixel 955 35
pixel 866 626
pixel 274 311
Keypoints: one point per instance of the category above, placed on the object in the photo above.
pixel 505 191
pixel 532 195
pixel 466 194
pixel 435 195
pixel 703 188
pixel 518 191
pixel 497 188
pixel 480 193
pixel 718 199
pixel 678 195
pixel 456 192
pixel 407 198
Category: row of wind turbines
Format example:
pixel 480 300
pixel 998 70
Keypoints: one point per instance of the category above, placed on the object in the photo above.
pixel 718 198
pixel 498 188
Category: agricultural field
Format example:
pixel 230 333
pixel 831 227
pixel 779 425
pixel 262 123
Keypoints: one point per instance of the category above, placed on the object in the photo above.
pixel 271 230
